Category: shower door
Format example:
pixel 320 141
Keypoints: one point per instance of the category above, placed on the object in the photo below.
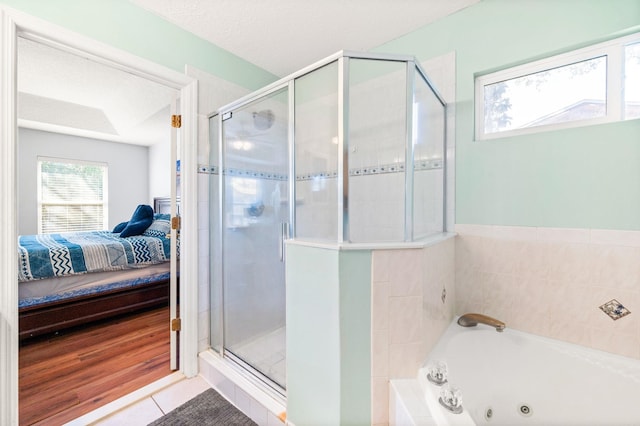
pixel 255 222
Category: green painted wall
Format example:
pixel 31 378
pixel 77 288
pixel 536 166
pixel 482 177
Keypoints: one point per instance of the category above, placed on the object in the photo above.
pixel 328 336
pixel 128 27
pixel 355 337
pixel 313 336
pixel 587 177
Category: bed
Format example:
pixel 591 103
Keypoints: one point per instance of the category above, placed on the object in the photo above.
pixel 71 279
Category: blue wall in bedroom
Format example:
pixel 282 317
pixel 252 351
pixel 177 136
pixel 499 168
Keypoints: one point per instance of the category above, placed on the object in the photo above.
pixel 128 172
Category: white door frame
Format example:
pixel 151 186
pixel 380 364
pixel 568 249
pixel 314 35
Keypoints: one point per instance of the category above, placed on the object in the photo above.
pixel 12 23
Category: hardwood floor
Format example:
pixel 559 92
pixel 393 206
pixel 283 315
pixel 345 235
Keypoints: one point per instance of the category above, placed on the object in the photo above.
pixel 64 376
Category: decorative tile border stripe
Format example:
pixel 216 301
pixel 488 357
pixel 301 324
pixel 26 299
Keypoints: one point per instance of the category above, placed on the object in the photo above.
pixel 207 169
pixel 214 170
pixel 376 170
pixel 420 165
pixel 254 174
pixel 433 164
pixel 319 175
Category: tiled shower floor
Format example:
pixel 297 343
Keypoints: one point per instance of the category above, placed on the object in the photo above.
pixel 266 353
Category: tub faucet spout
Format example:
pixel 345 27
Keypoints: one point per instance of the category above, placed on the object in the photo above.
pixel 471 320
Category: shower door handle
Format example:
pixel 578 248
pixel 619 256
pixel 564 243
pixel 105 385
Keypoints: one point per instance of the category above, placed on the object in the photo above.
pixel 284 235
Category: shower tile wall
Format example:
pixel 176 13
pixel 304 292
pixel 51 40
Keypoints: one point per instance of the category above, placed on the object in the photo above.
pixel 442 73
pixel 316 162
pixel 377 207
pixel 213 92
pixel 203 260
pixel 551 282
pixel 204 175
pixel 428 202
pixel 376 152
pixel 408 314
pixel 377 129
pixel 257 280
pixel 376 141
pixel 428 141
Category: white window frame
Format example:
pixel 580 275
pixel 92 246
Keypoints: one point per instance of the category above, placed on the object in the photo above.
pixel 105 186
pixel 613 50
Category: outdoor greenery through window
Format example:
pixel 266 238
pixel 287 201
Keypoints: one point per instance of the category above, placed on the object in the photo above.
pixel 588 86
pixel 72 195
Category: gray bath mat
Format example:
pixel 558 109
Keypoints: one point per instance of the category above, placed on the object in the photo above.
pixel 208 408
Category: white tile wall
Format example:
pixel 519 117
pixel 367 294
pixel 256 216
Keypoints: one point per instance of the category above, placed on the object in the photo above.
pixel 551 282
pixel 441 71
pixel 213 92
pixel 408 314
pixel 377 108
pixel 317 209
pixel 376 207
pixel 203 261
pixel 428 202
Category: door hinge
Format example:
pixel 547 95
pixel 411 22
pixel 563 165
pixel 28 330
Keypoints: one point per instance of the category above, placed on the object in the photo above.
pixel 176 324
pixel 176 121
pixel 175 223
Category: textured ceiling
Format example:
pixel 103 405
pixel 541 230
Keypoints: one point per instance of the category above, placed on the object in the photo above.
pixel 73 93
pixel 76 95
pixel 282 36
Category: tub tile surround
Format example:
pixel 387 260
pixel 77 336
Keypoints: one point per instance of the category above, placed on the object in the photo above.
pixel 552 282
pixel 408 315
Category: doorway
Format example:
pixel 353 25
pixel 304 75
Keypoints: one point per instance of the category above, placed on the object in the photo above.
pixel 77 114
pixel 14 24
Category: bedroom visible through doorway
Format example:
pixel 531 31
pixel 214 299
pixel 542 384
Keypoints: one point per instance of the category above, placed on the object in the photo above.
pixel 76 110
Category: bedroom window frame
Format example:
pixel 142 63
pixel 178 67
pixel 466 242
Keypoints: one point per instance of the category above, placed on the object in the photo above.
pixel 614 53
pixel 66 161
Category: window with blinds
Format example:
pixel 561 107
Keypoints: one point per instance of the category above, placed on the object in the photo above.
pixel 72 195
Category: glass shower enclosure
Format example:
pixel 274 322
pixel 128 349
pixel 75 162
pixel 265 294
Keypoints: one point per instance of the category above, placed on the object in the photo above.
pixel 350 150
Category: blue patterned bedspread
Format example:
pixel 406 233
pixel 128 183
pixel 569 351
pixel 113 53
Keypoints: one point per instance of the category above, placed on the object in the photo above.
pixel 55 255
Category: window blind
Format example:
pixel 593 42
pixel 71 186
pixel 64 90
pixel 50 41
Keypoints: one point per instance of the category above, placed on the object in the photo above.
pixel 72 196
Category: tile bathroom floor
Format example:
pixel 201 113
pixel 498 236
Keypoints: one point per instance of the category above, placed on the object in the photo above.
pixel 158 404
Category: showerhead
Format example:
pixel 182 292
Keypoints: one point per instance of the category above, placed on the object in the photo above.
pixel 263 120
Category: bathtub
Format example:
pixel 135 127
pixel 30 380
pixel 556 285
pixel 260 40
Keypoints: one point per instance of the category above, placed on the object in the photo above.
pixel 513 378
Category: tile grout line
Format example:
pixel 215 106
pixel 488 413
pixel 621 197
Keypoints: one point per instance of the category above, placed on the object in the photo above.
pixel 158 405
